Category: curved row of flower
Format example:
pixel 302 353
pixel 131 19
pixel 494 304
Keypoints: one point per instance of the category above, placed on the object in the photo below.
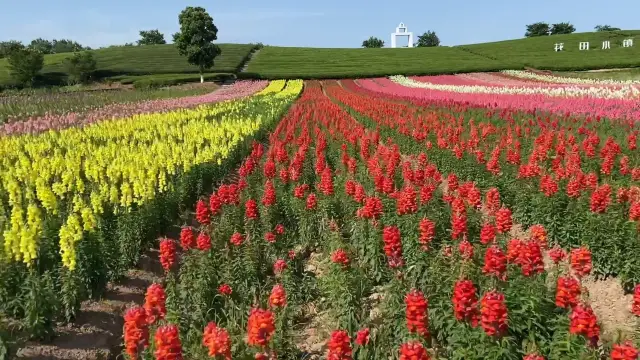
pixel 273 87
pixel 409 260
pixel 38 102
pixel 118 111
pixel 566 80
pixel 503 79
pixel 596 107
pixel 482 79
pixel 593 92
pixel 115 164
pixel 499 79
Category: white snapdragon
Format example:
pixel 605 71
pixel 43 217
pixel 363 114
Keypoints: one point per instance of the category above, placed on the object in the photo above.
pixel 566 80
pixel 625 92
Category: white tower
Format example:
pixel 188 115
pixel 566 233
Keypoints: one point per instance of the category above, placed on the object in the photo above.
pixel 401 30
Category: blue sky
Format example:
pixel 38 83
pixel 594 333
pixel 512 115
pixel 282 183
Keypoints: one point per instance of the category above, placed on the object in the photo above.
pixel 327 23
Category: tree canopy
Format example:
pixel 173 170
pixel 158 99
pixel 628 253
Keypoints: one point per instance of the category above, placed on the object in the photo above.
pixel 151 37
pixel 42 45
pixel 544 29
pixel 373 42
pixel 428 39
pixel 601 28
pixel 562 28
pixel 6 47
pixel 196 36
pixel 25 64
pixel 538 29
pixel 80 67
pixel 56 46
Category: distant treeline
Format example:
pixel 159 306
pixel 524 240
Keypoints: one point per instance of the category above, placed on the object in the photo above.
pixel 42 45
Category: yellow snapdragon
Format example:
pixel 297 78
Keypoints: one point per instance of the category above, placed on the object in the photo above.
pixel 117 164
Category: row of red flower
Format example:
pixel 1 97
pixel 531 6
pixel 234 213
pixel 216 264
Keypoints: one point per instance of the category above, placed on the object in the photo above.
pixel 410 228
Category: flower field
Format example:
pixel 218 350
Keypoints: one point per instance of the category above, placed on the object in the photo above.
pixel 79 205
pixel 445 217
pixel 66 111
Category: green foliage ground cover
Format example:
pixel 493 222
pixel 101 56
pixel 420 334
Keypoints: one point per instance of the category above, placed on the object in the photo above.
pixel 537 52
pixel 290 62
pixel 138 60
pixel 621 74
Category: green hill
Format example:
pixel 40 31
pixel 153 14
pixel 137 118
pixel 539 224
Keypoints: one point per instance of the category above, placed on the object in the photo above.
pixel 141 60
pixel 130 62
pixel 290 62
pixel 538 52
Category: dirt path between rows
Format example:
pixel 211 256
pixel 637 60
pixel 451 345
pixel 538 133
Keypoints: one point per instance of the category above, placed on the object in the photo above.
pixel 96 334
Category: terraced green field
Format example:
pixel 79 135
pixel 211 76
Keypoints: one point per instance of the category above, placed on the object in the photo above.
pixel 538 52
pixel 322 63
pixel 292 62
pixel 141 60
pixel 308 63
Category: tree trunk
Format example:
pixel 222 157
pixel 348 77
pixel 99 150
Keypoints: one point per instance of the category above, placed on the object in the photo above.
pixel 201 79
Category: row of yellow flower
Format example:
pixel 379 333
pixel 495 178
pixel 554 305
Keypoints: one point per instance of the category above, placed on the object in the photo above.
pixel 275 86
pixel 119 163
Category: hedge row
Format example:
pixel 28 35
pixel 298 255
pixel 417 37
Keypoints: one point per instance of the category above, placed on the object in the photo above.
pixel 156 81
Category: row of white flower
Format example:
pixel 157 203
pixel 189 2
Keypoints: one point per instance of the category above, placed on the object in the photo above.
pixel 625 92
pixel 566 80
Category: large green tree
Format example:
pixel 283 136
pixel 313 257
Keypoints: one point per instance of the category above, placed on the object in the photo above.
pixel 151 37
pixel 562 28
pixel 601 28
pixel 195 39
pixel 25 64
pixel 428 39
pixel 373 42
pixel 538 29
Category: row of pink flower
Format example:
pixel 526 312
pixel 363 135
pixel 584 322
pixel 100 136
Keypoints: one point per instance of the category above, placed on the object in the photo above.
pixel 118 111
pixel 610 108
pixel 500 80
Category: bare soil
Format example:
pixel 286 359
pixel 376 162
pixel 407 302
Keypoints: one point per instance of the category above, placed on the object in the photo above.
pixel 606 297
pixel 96 334
pixel 611 306
pixel 316 329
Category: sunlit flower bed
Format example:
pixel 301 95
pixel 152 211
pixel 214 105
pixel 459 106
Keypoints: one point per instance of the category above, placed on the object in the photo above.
pixel 565 79
pixel 594 107
pixel 122 110
pixel 78 204
pixel 373 226
pixel 460 85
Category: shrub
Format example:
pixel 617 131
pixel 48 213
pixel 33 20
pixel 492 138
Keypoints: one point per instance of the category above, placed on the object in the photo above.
pixel 80 67
pixel 158 81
